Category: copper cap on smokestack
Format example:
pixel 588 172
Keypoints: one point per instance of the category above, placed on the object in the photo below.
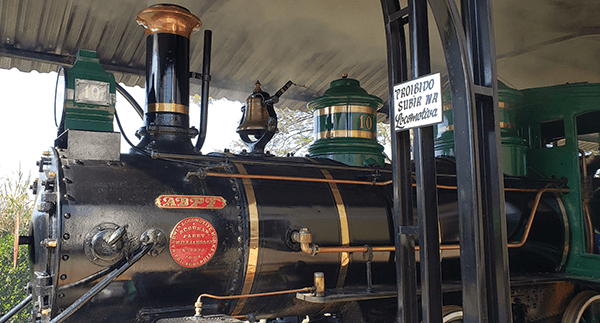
pixel 168 19
pixel 166 123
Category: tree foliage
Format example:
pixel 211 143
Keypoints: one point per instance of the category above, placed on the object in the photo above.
pixel 15 203
pixel 294 134
pixel 13 280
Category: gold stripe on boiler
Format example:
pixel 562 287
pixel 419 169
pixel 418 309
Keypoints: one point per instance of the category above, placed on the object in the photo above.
pixel 344 109
pixel 254 240
pixel 346 134
pixel 168 107
pixel 344 229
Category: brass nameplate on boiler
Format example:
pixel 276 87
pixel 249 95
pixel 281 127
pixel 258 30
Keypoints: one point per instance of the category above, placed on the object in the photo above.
pixel 190 202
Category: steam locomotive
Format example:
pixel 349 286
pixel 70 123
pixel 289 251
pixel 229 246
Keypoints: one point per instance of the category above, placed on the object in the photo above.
pixel 166 234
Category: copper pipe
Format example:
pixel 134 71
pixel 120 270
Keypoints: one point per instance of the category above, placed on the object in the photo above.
pixel 532 190
pixel 364 249
pixel 305 237
pixel 352 249
pixel 525 236
pixel 374 249
pixel 341 181
pixel 506 189
pixel 298 179
pixel 198 304
pixel 304 179
pixel 538 198
pixel 444 247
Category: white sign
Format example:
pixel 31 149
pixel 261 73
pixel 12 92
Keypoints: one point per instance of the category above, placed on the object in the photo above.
pixel 418 102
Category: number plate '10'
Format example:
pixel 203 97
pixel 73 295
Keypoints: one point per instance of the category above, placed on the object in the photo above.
pixel 92 92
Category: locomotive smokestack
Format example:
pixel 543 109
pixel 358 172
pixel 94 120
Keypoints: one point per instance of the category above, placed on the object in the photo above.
pixel 166 124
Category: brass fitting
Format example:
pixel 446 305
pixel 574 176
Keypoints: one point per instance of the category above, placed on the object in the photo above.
pixel 304 238
pixel 48 243
pixel 319 283
pixel 198 306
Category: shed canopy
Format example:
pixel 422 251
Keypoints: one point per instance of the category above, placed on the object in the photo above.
pixel 310 42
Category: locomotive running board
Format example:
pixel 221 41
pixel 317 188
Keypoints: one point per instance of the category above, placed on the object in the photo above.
pixel 356 294
pixel 345 297
pixel 202 319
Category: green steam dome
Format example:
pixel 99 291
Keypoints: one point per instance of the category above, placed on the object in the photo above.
pixel 346 124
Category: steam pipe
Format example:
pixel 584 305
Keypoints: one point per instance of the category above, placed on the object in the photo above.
pixel 304 237
pixel 102 284
pixel 205 89
pixel 16 309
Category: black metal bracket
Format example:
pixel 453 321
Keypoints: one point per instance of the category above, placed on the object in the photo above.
pixel 257 147
pixel 368 256
pixel 395 18
pixel 469 49
pixel 470 59
pixel 408 230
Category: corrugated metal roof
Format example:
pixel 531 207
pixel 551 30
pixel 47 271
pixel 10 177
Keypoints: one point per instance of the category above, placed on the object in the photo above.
pixel 310 42
pixel 250 42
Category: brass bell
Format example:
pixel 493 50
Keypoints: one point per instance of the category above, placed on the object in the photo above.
pixel 255 119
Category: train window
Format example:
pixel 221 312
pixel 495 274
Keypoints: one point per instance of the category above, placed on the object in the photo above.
pixel 588 139
pixel 588 123
pixel 552 133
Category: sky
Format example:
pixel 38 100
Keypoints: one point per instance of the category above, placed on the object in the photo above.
pixel 28 127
